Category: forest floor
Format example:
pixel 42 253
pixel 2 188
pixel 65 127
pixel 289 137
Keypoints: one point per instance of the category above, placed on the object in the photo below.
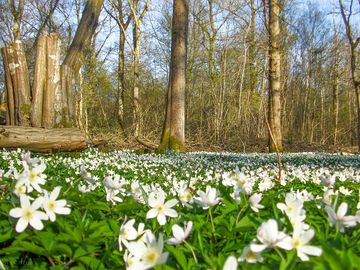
pixel 259 146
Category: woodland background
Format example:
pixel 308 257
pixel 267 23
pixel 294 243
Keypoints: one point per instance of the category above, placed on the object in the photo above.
pixel 125 70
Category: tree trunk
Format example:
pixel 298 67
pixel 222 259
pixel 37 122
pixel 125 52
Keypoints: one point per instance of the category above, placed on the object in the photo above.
pixel 252 53
pixel 274 77
pixel 53 91
pixel 353 63
pixel 173 136
pixel 17 83
pixel 41 139
pixel 136 94
pixel 46 81
pixel 11 119
pixel 74 58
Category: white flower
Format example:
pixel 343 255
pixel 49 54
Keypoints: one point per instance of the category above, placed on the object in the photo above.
pixel 20 190
pixel 266 184
pixel 132 262
pixel 32 178
pixel 300 238
pixel 250 256
pixel 160 209
pixel 53 206
pixel 254 202
pixel 149 253
pixel 293 208
pixel 339 219
pixel 185 193
pixel 136 192
pixel 230 263
pixel 180 235
pixel 113 186
pixel 327 197
pixel 127 232
pixel 28 213
pixel 241 182
pixel 208 198
pixel 328 181
pixel 270 237
pixel 86 175
pixel 345 191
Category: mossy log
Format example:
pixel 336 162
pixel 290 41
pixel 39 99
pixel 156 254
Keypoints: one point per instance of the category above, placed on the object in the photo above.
pixel 42 139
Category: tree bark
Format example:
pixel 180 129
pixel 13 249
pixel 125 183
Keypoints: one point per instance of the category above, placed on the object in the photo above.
pixel 173 136
pixel 39 82
pixel 42 140
pixel 53 91
pixel 353 63
pixel 74 58
pixel 274 77
pixel 46 84
pixel 17 83
pixel 9 90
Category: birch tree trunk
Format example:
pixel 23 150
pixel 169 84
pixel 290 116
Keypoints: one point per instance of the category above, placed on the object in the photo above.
pixel 274 113
pixel 173 135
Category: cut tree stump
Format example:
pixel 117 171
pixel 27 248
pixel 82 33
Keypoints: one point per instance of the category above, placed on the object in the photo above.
pixel 42 139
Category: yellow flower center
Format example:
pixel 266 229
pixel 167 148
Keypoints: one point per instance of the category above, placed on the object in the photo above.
pixel 51 205
pixel 32 176
pixel 28 214
pixel 20 189
pixel 296 243
pixel 160 208
pixel 151 256
pixel 251 256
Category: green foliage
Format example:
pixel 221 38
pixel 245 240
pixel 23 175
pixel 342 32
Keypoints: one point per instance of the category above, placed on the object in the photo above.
pixel 88 237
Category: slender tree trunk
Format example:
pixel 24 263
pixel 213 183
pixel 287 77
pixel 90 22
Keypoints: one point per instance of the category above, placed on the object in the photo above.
pixel 252 46
pixel 274 77
pixel 120 98
pixel 173 136
pixel 136 91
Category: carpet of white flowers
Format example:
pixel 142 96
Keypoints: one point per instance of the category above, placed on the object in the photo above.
pixel 122 210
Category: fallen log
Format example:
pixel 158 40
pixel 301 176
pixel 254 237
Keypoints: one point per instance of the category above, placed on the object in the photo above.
pixel 42 139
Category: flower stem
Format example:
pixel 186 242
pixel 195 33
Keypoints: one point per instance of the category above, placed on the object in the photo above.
pixel 192 250
pixel 212 225
pixel 212 221
pixel 279 252
pixel 240 213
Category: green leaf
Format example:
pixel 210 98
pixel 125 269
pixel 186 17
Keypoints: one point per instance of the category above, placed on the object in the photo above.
pixel 332 258
pixel 179 256
pixel 124 207
pixel 290 261
pixel 91 262
pixel 99 206
pixel 63 249
pixel 32 248
pixel 6 236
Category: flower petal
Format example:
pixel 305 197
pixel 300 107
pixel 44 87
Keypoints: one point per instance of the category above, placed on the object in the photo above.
pixel 21 225
pixel 151 213
pixel 178 232
pixel 16 212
